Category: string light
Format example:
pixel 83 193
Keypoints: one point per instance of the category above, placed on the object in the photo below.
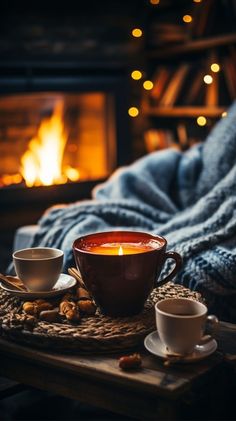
pixel 137 32
pixel 215 67
pixel 187 18
pixel 224 114
pixel 133 111
pixel 148 85
pixel 208 79
pixel 136 74
pixel 201 120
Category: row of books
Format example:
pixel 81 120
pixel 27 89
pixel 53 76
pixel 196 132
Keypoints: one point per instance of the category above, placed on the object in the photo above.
pixel 166 33
pixel 184 84
pixel 208 18
pixel 162 138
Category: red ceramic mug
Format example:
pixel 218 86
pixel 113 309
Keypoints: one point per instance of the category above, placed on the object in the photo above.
pixel 120 268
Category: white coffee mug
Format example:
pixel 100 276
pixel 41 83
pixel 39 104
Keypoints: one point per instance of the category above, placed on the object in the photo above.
pixel 38 267
pixel 181 324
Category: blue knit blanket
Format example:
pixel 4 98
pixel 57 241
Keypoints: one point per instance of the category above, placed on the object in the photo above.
pixel 190 198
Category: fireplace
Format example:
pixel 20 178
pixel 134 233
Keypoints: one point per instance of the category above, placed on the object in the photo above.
pixel 87 106
pixel 75 126
pixel 53 138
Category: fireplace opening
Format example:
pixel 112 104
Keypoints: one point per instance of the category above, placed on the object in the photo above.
pixel 49 138
pixel 60 125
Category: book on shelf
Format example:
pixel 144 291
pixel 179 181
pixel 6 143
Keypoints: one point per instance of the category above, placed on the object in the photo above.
pixel 203 17
pixel 157 139
pixel 165 32
pixel 182 135
pixel 160 79
pixel 232 53
pixel 193 93
pixel 174 86
pixel 167 27
pixel 229 69
pixel 212 92
pixel 212 89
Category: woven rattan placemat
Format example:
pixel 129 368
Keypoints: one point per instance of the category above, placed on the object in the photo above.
pixel 96 333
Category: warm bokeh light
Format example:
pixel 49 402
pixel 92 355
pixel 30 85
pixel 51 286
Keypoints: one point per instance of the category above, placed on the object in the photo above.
pixel 224 114
pixel 215 67
pixel 201 120
pixel 137 32
pixel 208 79
pixel 197 1
pixel 148 85
pixel 154 1
pixel 133 111
pixel 136 74
pixel 187 18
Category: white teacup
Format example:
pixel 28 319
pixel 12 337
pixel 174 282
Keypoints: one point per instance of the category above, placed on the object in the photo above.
pixel 181 324
pixel 38 267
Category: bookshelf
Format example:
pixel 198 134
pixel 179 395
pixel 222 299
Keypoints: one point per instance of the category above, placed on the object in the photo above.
pixel 188 95
pixel 187 112
pixel 192 46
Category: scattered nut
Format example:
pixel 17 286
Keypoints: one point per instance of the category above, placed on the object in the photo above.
pixel 87 307
pixel 66 306
pixel 69 310
pixel 44 306
pixel 49 315
pixel 72 315
pixel 82 294
pixel 35 307
pixel 129 362
pixel 30 308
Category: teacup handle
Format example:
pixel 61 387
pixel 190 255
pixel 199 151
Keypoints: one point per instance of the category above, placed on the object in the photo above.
pixel 213 321
pixel 178 263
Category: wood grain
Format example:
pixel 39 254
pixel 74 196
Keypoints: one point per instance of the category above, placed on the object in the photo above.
pixel 152 392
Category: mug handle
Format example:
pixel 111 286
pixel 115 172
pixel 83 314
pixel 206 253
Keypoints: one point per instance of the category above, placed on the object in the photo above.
pixel 178 263
pixel 213 322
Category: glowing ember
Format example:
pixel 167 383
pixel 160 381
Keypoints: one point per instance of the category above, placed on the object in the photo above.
pixel 41 164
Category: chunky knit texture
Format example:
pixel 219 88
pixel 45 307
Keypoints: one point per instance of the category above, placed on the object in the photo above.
pixel 190 198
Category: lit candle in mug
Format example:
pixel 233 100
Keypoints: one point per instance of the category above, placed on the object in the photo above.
pixel 120 249
pixel 120 268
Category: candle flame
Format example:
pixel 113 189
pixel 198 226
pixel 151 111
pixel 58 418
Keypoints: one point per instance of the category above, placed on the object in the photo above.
pixel 120 251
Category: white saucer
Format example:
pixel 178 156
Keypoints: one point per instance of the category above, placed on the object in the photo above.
pixel 64 283
pixel 154 345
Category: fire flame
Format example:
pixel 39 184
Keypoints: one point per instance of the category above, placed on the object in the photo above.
pixel 41 164
pixel 120 251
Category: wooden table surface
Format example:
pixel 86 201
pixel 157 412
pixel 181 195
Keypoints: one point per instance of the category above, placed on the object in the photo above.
pixel 148 393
